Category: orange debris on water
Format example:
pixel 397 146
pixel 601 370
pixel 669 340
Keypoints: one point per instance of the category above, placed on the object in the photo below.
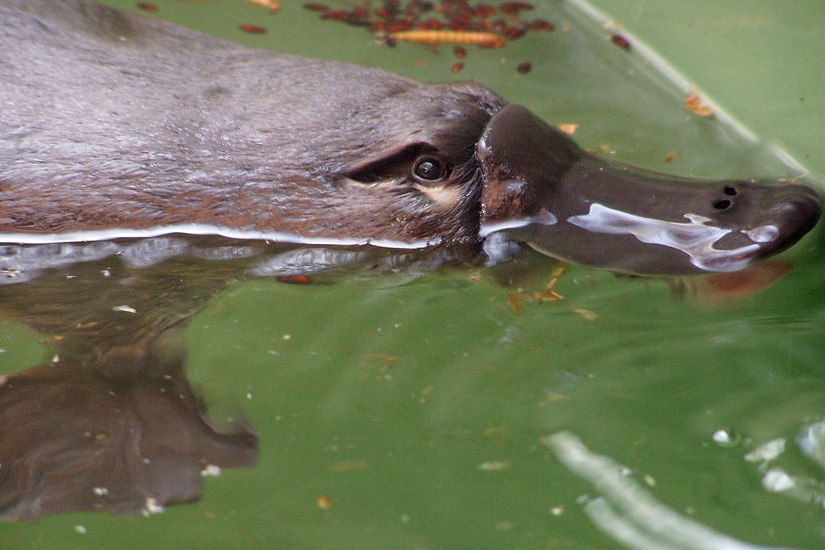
pixel 271 5
pixel 695 105
pixel 431 37
pixel 568 128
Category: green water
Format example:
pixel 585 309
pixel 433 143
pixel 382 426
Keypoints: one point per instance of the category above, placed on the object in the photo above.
pixel 417 404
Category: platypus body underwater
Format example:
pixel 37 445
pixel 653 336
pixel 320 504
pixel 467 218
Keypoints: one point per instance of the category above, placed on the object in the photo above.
pixel 117 125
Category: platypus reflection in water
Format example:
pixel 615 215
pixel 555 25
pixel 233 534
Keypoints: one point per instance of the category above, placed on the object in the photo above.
pixel 118 125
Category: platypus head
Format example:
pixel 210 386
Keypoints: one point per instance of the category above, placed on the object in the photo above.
pixel 499 169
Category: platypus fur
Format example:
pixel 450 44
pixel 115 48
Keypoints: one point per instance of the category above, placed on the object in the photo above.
pixel 118 125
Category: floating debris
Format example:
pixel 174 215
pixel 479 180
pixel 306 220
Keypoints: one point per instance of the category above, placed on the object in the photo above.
pixel 477 21
pixel 50 339
pixel 314 6
pixel 695 105
pixel 424 393
pixel 541 25
pixel 251 29
pixel 513 299
pixel 524 67
pixel 432 38
pixel 586 314
pixel 434 23
pixel 493 466
pixel 514 7
pixel 551 295
pixel 620 41
pixel 294 279
pixel 271 5
pixel 568 128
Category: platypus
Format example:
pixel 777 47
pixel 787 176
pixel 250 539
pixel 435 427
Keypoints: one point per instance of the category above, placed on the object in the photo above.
pixel 119 125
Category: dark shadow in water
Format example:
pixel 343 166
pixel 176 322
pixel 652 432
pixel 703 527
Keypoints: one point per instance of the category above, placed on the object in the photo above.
pixel 111 422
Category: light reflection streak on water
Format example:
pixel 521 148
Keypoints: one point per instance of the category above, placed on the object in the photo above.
pixel 627 512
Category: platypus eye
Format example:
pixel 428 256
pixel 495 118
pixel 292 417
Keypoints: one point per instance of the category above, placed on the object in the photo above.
pixel 429 169
pixel 417 162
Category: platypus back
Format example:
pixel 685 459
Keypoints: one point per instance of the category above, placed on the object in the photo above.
pixel 119 121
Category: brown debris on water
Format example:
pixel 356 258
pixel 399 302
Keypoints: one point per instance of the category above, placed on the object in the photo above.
pixel 460 21
pixel 620 41
pixel 524 67
pixel 695 105
pixel 251 29
pixel 299 279
pixel 315 6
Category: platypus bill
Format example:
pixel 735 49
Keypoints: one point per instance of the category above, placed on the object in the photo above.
pixel 118 125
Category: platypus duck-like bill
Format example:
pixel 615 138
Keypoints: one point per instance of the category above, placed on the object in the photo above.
pixel 575 206
pixel 125 126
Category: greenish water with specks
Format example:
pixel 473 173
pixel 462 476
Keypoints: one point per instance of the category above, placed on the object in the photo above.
pixel 416 403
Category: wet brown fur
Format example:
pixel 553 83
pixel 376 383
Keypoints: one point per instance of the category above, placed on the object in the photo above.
pixel 121 121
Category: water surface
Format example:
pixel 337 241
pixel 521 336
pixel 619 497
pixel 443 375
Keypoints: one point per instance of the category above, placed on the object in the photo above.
pixel 405 408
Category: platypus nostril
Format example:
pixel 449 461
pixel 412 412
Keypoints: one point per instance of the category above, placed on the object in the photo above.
pixel 722 204
pixel 725 203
